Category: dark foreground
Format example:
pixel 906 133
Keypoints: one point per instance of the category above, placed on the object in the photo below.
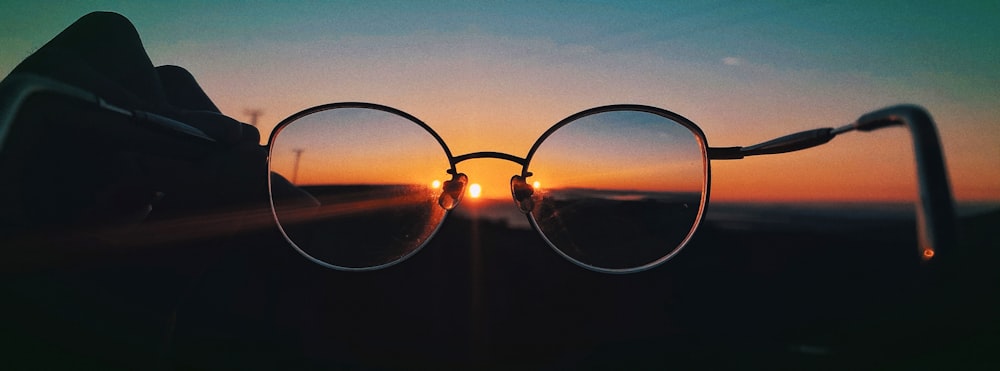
pixel 758 287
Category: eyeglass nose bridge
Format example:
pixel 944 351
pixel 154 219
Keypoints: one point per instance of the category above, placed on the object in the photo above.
pixel 488 154
pixel 520 189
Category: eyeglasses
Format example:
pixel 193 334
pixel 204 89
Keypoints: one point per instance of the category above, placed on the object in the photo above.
pixel 615 189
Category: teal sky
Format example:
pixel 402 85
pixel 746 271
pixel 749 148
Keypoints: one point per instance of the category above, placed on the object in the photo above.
pixel 494 75
pixel 886 37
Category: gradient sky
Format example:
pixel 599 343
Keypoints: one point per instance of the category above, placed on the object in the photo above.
pixel 492 76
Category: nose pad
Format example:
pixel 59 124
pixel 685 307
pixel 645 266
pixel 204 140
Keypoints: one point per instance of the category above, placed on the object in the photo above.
pixel 452 191
pixel 522 192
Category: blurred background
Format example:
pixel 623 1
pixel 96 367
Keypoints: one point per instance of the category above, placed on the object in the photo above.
pixel 493 76
pixel 806 259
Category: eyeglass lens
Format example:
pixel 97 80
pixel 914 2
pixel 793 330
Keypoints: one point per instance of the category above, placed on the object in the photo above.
pixel 368 179
pixel 622 189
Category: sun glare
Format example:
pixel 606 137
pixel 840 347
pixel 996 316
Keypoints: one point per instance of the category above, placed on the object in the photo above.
pixel 475 190
pixel 436 184
pixel 537 185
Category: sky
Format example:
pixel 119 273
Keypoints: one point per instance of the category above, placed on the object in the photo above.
pixel 493 76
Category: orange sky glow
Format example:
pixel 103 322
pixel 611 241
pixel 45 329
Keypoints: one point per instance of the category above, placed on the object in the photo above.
pixel 494 78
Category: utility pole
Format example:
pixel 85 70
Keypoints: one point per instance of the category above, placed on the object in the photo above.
pixel 254 114
pixel 295 170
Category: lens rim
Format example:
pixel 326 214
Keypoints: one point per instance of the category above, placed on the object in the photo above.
pixel 341 105
pixel 706 179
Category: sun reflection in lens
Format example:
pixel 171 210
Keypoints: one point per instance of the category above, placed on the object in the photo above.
pixel 475 190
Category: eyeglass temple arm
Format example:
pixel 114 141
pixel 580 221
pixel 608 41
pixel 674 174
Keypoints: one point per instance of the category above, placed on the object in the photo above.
pixel 17 88
pixel 937 228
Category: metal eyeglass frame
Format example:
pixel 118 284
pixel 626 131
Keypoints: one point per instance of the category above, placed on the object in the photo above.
pixel 521 190
pixel 935 210
pixel 936 222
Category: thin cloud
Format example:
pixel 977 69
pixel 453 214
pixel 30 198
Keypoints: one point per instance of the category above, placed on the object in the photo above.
pixel 732 61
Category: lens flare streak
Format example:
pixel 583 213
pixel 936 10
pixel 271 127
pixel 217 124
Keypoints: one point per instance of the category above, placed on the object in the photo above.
pixel 342 205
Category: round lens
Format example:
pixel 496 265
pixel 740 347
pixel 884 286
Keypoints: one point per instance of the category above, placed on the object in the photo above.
pixel 356 188
pixel 619 190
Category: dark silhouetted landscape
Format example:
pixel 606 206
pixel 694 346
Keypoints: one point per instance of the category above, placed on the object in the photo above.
pixel 760 286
